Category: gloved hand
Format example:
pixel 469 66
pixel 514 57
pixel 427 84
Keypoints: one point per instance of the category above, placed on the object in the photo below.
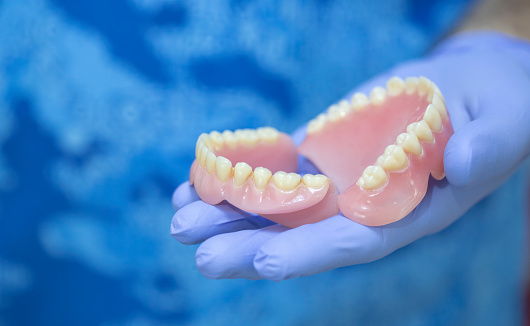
pixel 485 79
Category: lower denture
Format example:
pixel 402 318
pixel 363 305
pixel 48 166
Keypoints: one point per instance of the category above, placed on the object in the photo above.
pixel 378 152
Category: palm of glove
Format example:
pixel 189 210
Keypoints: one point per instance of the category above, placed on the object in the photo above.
pixel 485 80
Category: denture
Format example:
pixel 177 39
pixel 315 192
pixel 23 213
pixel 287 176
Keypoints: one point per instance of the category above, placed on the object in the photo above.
pixel 375 152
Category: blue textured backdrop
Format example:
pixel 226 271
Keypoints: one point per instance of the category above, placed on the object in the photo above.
pixel 100 105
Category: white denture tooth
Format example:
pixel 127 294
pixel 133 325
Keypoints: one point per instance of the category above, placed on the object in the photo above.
pixel 379 160
pixel 261 177
pixel 373 177
pixel 394 158
pixel 241 173
pixel 210 162
pixel 286 181
pixel 202 156
pixel 440 106
pixel 377 95
pixel 223 168
pixel 411 84
pixel 205 139
pixel 438 92
pixel 217 139
pixel 247 136
pixel 359 101
pixel 422 130
pixel 395 86
pixel 230 139
pixel 198 149
pixel 314 181
pixel 338 111
pixel 268 134
pixel 410 143
pixel 433 118
pixel 316 124
pixel 424 85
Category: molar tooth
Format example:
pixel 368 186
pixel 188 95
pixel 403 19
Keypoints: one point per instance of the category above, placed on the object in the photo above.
pixel 241 173
pixel 424 85
pixel 316 124
pixel 230 139
pixel 373 177
pixel 247 136
pixel 395 86
pixel 268 134
pixel 210 162
pixel 410 143
pixel 223 168
pixel 261 177
pixel 359 101
pixel 438 103
pixel 202 155
pixel 411 84
pixel 377 95
pixel 421 130
pixel 217 139
pixel 432 117
pixel 286 181
pixel 314 181
pixel 394 158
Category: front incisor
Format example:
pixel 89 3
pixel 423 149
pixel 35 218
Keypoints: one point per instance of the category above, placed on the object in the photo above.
pixel 395 86
pixel 241 173
pixel 261 177
pixel 286 181
pixel 377 95
pixel 411 84
pixel 424 85
pixel 359 101
pixel 373 177
pixel 223 168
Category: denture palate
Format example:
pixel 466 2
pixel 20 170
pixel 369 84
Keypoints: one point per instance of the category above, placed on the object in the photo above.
pixel 377 151
pixel 380 149
pixel 262 180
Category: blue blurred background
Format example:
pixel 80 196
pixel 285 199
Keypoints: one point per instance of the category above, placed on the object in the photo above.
pixel 100 106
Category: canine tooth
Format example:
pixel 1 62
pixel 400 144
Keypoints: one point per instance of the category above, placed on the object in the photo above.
pixel 202 156
pixel 338 111
pixel 359 101
pixel 395 86
pixel 421 130
pixel 411 84
pixel 432 117
pixel 410 143
pixel 268 134
pixel 241 173
pixel 230 139
pixel 394 158
pixel 210 162
pixel 440 106
pixel 217 139
pixel 247 136
pixel 377 95
pixel 286 181
pixel 315 181
pixel 373 177
pixel 261 177
pixel 223 168
pixel 438 92
pixel 316 124
pixel 423 86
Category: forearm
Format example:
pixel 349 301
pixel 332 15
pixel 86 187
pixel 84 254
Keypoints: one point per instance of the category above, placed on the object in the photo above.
pixel 508 16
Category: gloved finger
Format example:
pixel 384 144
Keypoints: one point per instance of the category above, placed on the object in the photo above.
pixel 232 255
pixel 485 149
pixel 199 221
pixel 315 248
pixel 184 194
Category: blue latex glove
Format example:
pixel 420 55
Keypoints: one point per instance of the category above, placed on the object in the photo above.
pixel 485 79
